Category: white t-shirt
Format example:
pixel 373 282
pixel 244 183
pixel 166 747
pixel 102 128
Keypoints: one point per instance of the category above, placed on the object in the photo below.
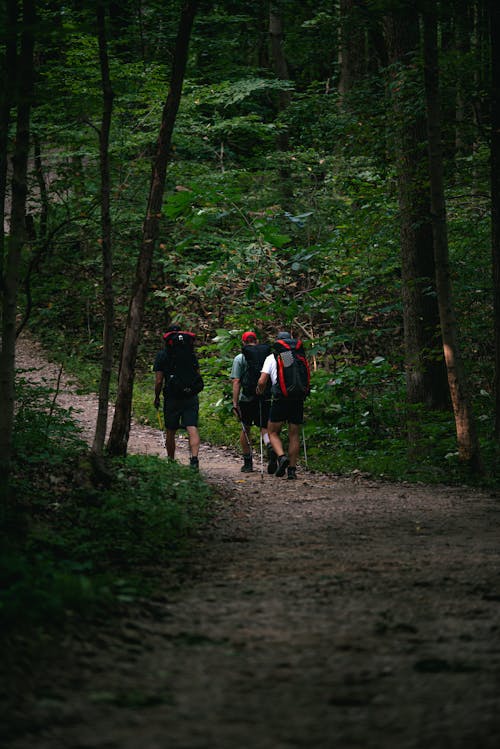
pixel 269 367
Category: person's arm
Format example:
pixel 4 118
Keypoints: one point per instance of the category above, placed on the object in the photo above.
pixel 236 372
pixel 158 387
pixel 265 375
pixel 236 391
pixel 262 383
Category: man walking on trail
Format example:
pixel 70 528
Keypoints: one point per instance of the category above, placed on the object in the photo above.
pixel 286 406
pixel 250 407
pixel 178 374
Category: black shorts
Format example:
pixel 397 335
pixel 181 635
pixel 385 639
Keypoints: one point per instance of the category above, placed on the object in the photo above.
pixel 181 412
pixel 286 409
pixel 254 412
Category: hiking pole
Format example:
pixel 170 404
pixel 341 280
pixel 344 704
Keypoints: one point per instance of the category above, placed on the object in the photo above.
pixel 305 449
pixel 160 422
pixel 243 429
pixel 261 442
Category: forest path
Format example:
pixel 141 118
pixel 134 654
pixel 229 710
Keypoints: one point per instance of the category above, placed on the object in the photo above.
pixel 320 613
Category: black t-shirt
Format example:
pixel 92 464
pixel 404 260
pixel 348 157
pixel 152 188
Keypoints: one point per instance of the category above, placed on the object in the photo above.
pixel 161 364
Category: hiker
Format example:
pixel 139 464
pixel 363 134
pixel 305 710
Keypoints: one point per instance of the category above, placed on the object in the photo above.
pixel 249 407
pixel 288 371
pixel 178 374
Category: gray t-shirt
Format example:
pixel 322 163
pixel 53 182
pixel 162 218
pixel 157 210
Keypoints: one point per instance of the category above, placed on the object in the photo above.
pixel 237 371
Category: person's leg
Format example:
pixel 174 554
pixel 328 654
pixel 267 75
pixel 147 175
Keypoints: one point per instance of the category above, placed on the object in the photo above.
pixel 263 415
pixel 171 415
pixel 246 440
pixel 295 421
pixel 263 419
pixel 293 444
pixel 190 423
pixel 273 429
pixel 194 440
pixel 277 416
pixel 170 443
pixel 247 419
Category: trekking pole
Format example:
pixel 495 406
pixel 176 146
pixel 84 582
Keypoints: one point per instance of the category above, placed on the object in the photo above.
pixel 243 429
pixel 305 449
pixel 261 442
pixel 160 422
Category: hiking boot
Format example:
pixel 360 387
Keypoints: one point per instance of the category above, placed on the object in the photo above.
pixel 247 466
pixel 283 462
pixel 292 473
pixel 272 460
pixel 194 463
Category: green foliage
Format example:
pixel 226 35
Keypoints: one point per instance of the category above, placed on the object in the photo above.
pixel 141 519
pixel 253 234
pixel 75 542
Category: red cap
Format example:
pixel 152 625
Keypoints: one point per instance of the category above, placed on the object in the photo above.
pixel 248 336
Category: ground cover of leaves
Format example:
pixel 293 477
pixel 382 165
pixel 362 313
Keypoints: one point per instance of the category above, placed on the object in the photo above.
pixel 326 612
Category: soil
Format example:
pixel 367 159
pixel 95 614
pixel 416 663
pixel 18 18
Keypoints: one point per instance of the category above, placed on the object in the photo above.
pixel 326 612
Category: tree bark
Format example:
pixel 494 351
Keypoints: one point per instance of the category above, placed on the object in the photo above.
pixel 6 103
pixel 280 69
pixel 278 57
pixel 468 444
pixel 120 429
pixel 495 196
pixel 107 255
pixel 24 94
pixel 426 381
pixel 352 47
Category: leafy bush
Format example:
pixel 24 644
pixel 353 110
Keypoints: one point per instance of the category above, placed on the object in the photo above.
pixel 74 542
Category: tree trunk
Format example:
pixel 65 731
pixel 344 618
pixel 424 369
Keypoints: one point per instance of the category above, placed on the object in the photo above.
pixel 468 445
pixel 280 68
pixel 495 195
pixel 352 47
pixel 24 93
pixel 107 255
pixel 279 63
pixel 8 73
pixel 118 439
pixel 426 380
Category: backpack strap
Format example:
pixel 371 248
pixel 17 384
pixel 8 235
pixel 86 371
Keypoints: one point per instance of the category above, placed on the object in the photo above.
pixel 279 365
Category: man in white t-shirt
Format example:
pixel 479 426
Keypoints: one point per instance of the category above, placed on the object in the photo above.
pixel 282 410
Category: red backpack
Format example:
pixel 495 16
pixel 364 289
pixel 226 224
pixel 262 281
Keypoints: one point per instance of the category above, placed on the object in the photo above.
pixel 294 375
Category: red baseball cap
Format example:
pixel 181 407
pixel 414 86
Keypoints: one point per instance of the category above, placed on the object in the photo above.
pixel 248 336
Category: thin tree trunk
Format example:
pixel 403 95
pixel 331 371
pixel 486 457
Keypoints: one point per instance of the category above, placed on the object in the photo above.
pixel 495 195
pixel 468 445
pixel 16 238
pixel 426 381
pixel 280 68
pixel 279 62
pixel 352 47
pixel 120 429
pixel 107 255
pixel 6 95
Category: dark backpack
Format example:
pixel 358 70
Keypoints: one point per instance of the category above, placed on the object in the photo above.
pixel 254 358
pixel 182 378
pixel 293 371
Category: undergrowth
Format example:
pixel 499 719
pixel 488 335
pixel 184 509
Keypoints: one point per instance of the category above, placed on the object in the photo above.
pixel 76 541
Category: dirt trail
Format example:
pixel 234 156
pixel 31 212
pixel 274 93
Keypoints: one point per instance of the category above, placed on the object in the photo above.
pixel 320 613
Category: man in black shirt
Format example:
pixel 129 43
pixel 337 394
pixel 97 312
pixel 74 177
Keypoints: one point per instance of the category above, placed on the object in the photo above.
pixel 180 409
